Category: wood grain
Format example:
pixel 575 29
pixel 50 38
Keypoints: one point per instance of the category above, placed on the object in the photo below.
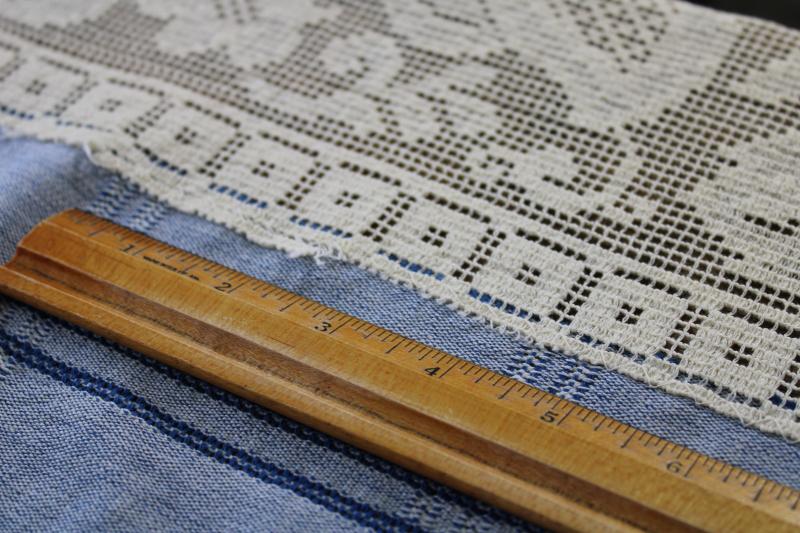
pixel 524 450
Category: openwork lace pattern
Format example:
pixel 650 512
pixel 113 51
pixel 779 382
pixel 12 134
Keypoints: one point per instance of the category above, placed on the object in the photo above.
pixel 616 179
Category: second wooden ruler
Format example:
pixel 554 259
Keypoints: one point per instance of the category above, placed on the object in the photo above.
pixel 517 447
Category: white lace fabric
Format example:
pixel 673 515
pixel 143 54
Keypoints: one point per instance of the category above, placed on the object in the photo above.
pixel 618 180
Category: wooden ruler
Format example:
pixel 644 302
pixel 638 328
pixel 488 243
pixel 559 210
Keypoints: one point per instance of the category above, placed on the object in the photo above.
pixel 512 445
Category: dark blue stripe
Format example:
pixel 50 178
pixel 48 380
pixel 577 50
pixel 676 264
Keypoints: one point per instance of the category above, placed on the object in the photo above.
pixel 300 431
pixel 210 446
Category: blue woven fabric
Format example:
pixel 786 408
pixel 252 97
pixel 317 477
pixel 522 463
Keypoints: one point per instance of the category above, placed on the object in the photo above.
pixel 97 437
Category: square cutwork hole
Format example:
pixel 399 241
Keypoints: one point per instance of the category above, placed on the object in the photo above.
pixel 629 314
pixel 435 236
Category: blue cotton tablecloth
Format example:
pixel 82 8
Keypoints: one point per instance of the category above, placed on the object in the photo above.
pixel 96 437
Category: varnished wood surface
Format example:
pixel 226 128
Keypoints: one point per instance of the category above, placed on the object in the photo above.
pixel 529 452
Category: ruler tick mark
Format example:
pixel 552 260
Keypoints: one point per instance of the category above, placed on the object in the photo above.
pixel 347 321
pixel 448 370
pixel 140 250
pixel 566 415
pixel 390 350
pixel 689 470
pixel 236 288
pixel 502 396
pixel 287 306
pixel 757 495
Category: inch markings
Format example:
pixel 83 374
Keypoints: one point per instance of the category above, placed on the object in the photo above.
pixel 557 414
